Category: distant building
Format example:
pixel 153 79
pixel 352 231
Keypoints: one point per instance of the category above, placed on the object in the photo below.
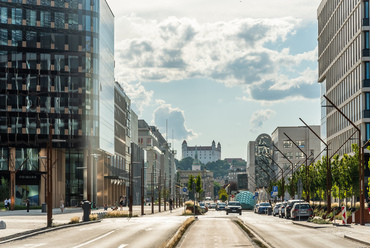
pixel 235 170
pixel 207 180
pixel 205 153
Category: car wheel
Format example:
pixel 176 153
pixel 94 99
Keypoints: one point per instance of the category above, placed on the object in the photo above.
pixel 240 213
pixel 227 213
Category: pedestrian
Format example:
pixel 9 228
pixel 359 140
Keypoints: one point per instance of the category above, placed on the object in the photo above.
pixel 121 203
pixel 28 204
pixel 61 205
pixel 9 202
pixel 171 202
pixel 6 203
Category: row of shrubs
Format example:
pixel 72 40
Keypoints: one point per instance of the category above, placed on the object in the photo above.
pixel 109 214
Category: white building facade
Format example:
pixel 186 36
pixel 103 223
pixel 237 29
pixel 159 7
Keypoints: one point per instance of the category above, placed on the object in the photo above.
pixel 205 153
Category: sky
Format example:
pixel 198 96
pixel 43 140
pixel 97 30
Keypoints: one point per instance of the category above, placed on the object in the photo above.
pixel 222 70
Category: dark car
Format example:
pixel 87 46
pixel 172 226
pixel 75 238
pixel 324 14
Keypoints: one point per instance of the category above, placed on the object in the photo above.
pixel 221 206
pixel 263 207
pixel 212 205
pixel 289 206
pixel 234 207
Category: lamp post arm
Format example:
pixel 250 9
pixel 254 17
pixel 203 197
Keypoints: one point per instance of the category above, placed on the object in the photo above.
pixel 296 145
pixel 333 105
pixel 313 132
pixel 283 154
pixel 342 145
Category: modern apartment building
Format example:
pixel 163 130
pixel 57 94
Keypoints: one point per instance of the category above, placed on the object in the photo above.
pixel 205 153
pixel 344 72
pixel 57 70
pixel 307 142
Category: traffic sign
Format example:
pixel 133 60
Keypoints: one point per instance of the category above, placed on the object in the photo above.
pixel 275 188
pixel 184 190
pixel 274 193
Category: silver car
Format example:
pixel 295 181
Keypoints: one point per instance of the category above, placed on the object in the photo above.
pixel 275 211
pixel 301 209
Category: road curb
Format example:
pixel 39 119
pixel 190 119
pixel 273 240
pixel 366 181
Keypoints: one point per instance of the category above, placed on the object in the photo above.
pixel 264 242
pixel 41 231
pixel 308 225
pixel 357 240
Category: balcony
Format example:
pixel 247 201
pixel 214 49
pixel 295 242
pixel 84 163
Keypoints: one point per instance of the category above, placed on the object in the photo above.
pixel 366 83
pixel 365 22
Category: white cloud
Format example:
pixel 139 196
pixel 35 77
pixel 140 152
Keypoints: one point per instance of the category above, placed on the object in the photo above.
pixel 175 118
pixel 259 117
pixel 140 97
pixel 234 53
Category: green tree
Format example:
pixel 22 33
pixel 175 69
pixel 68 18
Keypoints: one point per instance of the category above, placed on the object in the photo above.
pixel 184 164
pixel 4 189
pixel 216 187
pixel 222 194
pixel 190 186
pixel 220 168
pixel 198 185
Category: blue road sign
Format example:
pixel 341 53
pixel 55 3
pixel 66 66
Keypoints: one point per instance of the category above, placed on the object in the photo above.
pixel 275 188
pixel 184 190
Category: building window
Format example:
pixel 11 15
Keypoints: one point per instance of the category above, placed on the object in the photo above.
pixel 289 155
pixel 299 155
pixel 367 40
pixel 366 9
pixel 301 143
pixel 17 16
pixel 367 70
pixel 287 144
pixel 367 131
pixel 367 101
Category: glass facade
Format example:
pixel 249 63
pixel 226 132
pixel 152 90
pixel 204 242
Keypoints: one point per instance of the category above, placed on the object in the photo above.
pixel 51 54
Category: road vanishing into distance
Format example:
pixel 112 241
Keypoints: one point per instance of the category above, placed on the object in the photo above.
pixel 215 229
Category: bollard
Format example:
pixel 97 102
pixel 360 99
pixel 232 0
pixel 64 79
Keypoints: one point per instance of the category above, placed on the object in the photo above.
pixel 2 225
pixel 86 206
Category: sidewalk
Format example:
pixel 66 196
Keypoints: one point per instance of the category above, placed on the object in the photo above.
pixel 20 221
pixel 354 232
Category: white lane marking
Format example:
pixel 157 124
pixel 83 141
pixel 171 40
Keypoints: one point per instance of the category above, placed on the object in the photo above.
pixel 148 229
pixel 121 246
pixel 94 239
pixel 34 245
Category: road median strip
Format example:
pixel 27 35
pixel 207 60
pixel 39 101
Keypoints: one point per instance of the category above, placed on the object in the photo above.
pixel 171 243
pixel 252 235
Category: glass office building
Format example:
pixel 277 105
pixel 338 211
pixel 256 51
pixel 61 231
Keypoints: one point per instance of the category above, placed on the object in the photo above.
pixel 52 54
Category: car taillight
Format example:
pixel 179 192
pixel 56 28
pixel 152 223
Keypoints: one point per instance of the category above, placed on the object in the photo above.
pixel 295 210
pixel 309 209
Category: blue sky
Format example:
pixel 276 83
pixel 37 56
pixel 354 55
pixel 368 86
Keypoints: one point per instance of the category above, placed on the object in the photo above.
pixel 223 70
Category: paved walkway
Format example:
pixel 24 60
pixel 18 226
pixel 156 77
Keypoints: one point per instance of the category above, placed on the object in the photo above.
pixel 355 232
pixel 20 221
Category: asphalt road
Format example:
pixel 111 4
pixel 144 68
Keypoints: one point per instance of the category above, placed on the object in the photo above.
pixel 215 230
pixel 279 232
pixel 147 231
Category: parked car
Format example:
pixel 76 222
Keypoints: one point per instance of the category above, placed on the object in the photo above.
pixel 301 209
pixel 256 207
pixel 263 207
pixel 275 210
pixel 234 207
pixel 221 206
pixel 213 205
pixel 282 210
pixel 289 206
pixel 202 205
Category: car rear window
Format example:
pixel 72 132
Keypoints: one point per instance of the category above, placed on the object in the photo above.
pixel 234 203
pixel 303 206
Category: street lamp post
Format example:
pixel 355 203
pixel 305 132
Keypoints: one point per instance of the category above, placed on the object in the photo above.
pixel 292 188
pixel 328 169
pixel 360 160
pixel 307 189
pixel 49 174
